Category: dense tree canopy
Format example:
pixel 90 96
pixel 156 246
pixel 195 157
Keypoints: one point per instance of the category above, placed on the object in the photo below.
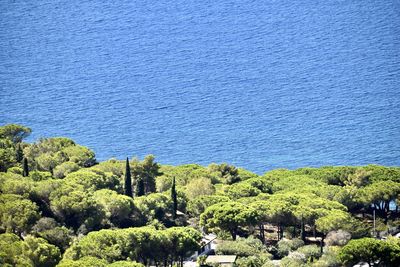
pixel 67 209
pixel 228 216
pixel 372 251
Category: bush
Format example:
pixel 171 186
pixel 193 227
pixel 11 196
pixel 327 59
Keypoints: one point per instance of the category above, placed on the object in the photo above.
pixel 65 168
pixel 285 246
pixel 83 262
pixel 242 247
pixel 329 258
pixel 337 238
pixel 125 264
pixel 291 262
pixel 311 252
pixel 253 261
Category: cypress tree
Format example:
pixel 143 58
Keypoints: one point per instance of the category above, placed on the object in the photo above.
pixel 19 153
pixel 25 172
pixel 139 187
pixel 174 198
pixel 128 180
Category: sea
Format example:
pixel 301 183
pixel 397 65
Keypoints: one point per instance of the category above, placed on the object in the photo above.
pixel 257 84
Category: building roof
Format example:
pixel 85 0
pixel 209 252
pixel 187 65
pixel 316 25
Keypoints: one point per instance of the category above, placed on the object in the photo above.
pixel 221 259
pixel 208 238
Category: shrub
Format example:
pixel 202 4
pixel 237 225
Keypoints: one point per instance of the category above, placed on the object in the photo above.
pixel 310 252
pixel 285 246
pixel 337 238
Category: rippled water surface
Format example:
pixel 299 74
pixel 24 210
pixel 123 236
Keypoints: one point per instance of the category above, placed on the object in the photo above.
pixel 260 84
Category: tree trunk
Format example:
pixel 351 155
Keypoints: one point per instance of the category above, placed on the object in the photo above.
pixel 233 233
pixel 322 244
pixel 303 231
pixel 262 233
pixel 279 232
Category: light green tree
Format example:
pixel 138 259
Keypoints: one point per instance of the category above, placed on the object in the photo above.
pixel 228 216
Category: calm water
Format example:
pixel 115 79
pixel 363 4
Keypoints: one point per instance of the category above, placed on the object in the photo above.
pixel 259 84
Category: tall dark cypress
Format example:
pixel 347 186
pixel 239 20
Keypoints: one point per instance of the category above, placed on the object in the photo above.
pixel 128 180
pixel 25 172
pixel 174 198
pixel 19 153
pixel 139 187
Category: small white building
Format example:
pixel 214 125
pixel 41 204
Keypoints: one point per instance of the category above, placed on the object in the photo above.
pixel 207 244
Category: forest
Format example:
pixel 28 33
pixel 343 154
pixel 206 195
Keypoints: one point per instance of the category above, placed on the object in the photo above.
pixel 59 206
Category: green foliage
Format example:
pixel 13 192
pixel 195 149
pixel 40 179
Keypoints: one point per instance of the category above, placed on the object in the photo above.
pixel 15 184
pixel 40 176
pixel 380 194
pixel 15 170
pixel 77 199
pixel 17 215
pixel 246 175
pixel 139 189
pixel 83 262
pixel 43 189
pixel 183 174
pixel 75 206
pixel 40 252
pixel 48 153
pixel 329 258
pixel 92 179
pixel 116 167
pixel 65 168
pixel 228 216
pixel 292 183
pixel 19 153
pixel 29 252
pixel 10 148
pixel 117 208
pixel 292 261
pixel 150 172
pixel 285 246
pixel 382 173
pixel 11 251
pixel 143 244
pixel 125 264
pixel 243 248
pixel 242 189
pixel 311 252
pixel 14 132
pixel 198 205
pixel 372 251
pixel 128 180
pixel 334 220
pixel 154 206
pixel 199 187
pixel 59 236
pixel 253 261
pixel 262 184
pixel 228 174
pixel 25 171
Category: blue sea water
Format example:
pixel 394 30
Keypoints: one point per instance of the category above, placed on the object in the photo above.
pixel 259 84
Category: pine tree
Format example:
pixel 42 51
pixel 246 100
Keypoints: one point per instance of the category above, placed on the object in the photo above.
pixel 139 187
pixel 128 180
pixel 174 198
pixel 25 172
pixel 19 153
pixel 150 172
